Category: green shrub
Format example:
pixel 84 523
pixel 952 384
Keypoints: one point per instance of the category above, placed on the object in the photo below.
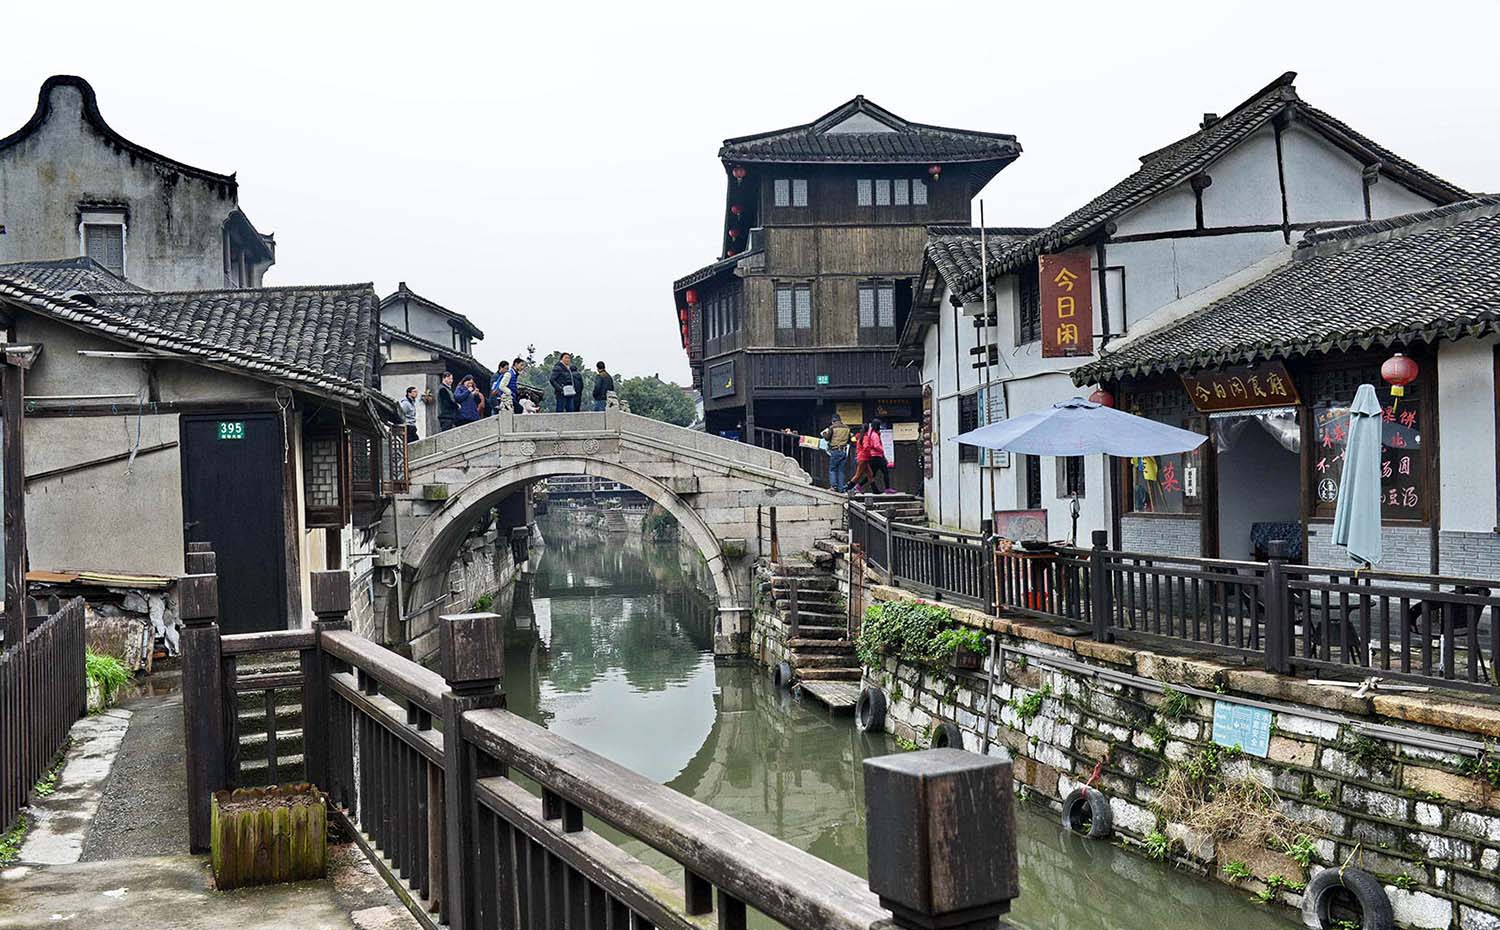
pixel 108 671
pixel 1158 847
pixel 484 603
pixel 904 630
pixel 955 638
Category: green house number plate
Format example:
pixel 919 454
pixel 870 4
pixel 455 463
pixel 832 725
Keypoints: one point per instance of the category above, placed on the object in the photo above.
pixel 231 429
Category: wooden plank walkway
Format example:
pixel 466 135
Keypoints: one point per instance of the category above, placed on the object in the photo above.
pixel 837 695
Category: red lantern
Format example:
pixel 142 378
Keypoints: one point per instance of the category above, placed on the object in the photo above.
pixel 1103 398
pixel 1398 371
pixel 739 172
pixel 730 253
pixel 734 233
pixel 691 297
pixel 935 172
pixel 736 209
pixel 682 315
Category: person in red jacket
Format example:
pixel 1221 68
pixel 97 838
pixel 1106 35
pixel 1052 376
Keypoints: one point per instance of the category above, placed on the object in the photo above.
pixel 875 458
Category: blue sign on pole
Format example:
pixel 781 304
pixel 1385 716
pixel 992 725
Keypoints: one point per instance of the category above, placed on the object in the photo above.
pixel 1247 728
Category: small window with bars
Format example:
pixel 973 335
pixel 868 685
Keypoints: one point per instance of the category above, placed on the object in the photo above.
pixel 790 192
pixel 968 419
pixel 794 306
pixel 888 192
pixel 105 244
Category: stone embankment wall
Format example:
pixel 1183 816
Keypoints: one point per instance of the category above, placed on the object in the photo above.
pixel 1426 822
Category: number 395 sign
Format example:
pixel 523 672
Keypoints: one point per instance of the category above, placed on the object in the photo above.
pixel 231 429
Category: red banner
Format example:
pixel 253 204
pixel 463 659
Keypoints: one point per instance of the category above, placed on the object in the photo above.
pixel 1067 296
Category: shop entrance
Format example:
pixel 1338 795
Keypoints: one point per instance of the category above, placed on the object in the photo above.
pixel 1258 460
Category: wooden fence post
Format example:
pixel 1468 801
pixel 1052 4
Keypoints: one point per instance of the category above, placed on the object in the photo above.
pixel 775 540
pixel 942 838
pixel 472 652
pixel 1278 624
pixel 202 695
pixel 1100 590
pixel 330 604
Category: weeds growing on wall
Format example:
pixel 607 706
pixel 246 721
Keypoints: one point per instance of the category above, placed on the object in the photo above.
pixel 1485 767
pixel 484 603
pixel 106 671
pixel 1196 794
pixel 909 632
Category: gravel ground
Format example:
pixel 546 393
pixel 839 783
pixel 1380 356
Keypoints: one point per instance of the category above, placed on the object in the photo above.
pixel 142 813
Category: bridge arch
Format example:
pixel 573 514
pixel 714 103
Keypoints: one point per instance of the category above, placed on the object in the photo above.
pixel 434 545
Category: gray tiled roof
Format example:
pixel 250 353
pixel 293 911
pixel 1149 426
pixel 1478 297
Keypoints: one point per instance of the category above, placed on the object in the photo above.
pixel 954 251
pixel 1423 276
pixel 64 275
pixel 1184 158
pixel 317 338
pixel 907 143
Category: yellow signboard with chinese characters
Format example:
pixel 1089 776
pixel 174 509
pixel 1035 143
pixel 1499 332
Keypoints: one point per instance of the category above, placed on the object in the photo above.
pixel 1067 297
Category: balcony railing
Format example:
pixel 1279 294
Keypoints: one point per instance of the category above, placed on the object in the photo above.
pixel 783 370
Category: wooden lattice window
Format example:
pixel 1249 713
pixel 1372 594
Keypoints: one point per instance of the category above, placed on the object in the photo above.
pixel 325 478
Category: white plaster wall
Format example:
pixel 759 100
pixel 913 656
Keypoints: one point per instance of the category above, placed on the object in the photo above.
pixel 1246 188
pixel 1322 182
pixel 1387 198
pixel 1175 208
pixel 1203 261
pixel 1466 401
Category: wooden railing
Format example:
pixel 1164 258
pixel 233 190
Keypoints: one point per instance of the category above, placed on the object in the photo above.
pixel 483 820
pixel 42 692
pixel 813 461
pixel 943 564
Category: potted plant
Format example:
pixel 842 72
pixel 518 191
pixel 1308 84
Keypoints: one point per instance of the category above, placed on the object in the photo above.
pixel 964 646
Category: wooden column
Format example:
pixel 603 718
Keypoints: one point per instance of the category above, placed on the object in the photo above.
pixel 1100 590
pixel 942 838
pixel 202 695
pixel 17 359
pixel 472 655
pixel 330 602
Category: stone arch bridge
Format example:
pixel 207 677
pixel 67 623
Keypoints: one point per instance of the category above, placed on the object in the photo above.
pixel 711 485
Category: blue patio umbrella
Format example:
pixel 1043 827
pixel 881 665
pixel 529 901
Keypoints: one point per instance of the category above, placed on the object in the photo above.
pixel 1081 427
pixel 1356 522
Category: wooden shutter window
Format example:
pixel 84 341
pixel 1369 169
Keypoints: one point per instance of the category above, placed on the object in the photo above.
pixel 105 244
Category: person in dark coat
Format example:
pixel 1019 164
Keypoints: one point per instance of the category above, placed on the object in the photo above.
pixel 447 404
pixel 604 382
pixel 561 379
pixel 577 397
pixel 470 400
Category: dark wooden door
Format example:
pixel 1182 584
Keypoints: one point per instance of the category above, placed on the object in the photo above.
pixel 231 498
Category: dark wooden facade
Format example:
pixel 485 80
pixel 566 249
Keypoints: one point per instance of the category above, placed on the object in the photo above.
pixel 822 242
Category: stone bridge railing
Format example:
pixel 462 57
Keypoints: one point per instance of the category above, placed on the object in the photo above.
pixel 716 489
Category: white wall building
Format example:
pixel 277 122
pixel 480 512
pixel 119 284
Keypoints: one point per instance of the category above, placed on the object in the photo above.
pixel 1199 218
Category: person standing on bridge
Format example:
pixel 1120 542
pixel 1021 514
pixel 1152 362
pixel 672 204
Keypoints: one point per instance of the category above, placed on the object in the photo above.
pixel 408 406
pixel 837 437
pixel 470 400
pixel 561 379
pixel 604 382
pixel 577 398
pixel 497 388
pixel 447 403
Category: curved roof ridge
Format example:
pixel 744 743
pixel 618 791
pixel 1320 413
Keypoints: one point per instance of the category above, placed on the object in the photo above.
pixel 95 119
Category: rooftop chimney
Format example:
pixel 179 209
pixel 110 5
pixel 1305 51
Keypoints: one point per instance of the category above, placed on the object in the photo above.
pixel 1208 120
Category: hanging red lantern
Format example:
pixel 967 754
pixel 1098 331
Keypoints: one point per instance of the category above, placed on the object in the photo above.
pixel 1103 398
pixel 739 172
pixel 682 315
pixel 736 209
pixel 734 233
pixel 691 297
pixel 1398 371
pixel 730 253
pixel 935 172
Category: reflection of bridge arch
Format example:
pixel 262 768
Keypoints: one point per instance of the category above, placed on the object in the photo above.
pixel 435 543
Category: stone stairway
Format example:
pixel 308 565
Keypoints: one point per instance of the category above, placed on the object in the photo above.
pixel 254 738
pixel 902 508
pixel 820 649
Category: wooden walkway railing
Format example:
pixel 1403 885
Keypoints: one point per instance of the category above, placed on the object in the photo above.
pixel 483 820
pixel 42 692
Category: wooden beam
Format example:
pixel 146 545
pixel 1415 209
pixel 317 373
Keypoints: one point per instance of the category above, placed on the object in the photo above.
pixel 13 467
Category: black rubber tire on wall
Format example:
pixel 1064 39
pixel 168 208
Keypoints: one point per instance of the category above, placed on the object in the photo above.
pixel 1328 886
pixel 947 736
pixel 1085 811
pixel 781 675
pixel 869 713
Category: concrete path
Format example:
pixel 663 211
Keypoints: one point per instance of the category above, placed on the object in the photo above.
pixel 176 893
pixel 60 821
pixel 143 809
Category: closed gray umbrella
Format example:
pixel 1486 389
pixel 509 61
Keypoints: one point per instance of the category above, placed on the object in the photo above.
pixel 1356 522
pixel 1081 427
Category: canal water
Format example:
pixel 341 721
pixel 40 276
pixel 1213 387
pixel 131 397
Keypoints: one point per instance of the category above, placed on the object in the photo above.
pixel 612 648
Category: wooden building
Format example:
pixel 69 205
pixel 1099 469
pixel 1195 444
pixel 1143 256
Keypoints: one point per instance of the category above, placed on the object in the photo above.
pixel 823 234
pixel 1269 371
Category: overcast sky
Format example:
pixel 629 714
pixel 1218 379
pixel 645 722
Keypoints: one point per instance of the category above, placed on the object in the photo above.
pixel 550 168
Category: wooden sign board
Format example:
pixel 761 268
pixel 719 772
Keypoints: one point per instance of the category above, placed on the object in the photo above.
pixel 1067 296
pixel 927 430
pixel 1265 385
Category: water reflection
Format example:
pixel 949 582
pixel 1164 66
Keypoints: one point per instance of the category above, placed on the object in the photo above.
pixel 612 647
